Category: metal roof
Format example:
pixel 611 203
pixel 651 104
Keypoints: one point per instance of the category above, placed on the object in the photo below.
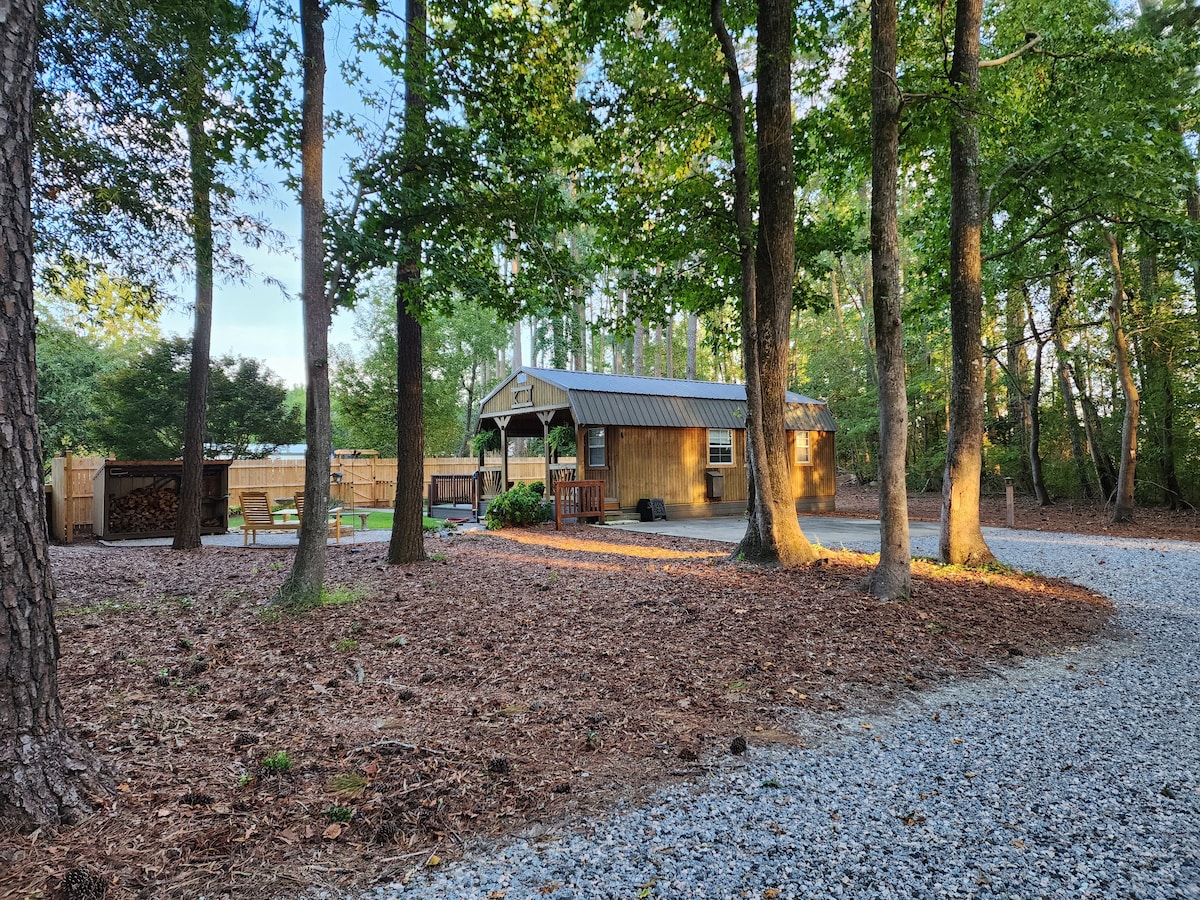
pixel 600 399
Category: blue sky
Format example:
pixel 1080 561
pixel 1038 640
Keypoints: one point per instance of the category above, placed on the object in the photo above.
pixel 257 319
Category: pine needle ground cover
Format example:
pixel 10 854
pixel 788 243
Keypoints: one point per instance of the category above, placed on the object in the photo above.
pixel 516 677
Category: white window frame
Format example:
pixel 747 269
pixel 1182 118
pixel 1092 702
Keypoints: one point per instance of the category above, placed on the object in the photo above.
pixel 593 445
pixel 802 455
pixel 713 445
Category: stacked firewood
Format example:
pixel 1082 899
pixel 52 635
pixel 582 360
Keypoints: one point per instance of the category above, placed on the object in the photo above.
pixel 143 509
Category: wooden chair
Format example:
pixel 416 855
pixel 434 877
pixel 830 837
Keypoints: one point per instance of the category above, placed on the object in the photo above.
pixel 256 511
pixel 335 516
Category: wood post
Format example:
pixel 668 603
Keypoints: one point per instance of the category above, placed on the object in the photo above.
pixel 1008 502
pixel 503 421
pixel 544 418
pixel 68 502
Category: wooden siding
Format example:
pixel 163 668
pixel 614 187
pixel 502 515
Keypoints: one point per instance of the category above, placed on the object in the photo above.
pixel 545 396
pixel 670 463
pixel 819 479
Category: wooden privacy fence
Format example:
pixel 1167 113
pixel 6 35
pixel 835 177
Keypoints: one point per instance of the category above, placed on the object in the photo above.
pixel 363 482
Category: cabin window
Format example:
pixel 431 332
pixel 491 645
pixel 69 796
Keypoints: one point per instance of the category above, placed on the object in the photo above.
pixel 595 447
pixel 803 448
pixel 720 447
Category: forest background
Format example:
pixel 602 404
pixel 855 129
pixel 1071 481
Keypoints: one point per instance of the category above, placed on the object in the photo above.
pixel 574 211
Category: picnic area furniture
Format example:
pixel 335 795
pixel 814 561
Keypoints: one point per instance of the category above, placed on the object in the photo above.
pixel 257 516
pixel 334 515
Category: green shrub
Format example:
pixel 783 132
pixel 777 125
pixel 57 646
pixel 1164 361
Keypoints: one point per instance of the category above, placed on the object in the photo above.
pixel 538 487
pixel 517 507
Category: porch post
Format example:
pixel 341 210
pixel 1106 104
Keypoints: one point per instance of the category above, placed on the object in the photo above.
pixel 503 421
pixel 544 418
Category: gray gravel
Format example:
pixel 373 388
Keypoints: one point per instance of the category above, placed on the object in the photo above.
pixel 1075 776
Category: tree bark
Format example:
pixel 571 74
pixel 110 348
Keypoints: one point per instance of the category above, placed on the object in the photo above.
pixel 773 532
pixel 1059 297
pixel 961 540
pixel 408 537
pixel 187 520
pixel 306 581
pixel 45 775
pixel 1156 353
pixel 1123 504
pixel 1033 412
pixel 892 577
pixel 1017 364
pixel 690 364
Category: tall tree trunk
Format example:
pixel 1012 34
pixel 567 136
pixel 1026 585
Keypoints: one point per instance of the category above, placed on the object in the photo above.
pixel 45 775
pixel 1016 362
pixel 639 346
pixel 773 532
pixel 408 536
pixel 1033 412
pixel 306 580
pixel 692 329
pixel 1156 352
pixel 1059 296
pixel 191 485
pixel 1123 505
pixel 892 577
pixel 1193 213
pixel 961 541
pixel 1106 473
pixel 670 337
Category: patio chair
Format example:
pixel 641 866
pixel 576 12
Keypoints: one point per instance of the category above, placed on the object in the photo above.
pixel 256 511
pixel 335 517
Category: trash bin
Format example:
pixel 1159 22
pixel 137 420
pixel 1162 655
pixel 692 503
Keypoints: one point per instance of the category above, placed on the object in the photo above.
pixel 716 484
pixel 650 509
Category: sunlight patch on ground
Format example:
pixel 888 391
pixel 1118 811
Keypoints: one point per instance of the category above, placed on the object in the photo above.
pixel 578 545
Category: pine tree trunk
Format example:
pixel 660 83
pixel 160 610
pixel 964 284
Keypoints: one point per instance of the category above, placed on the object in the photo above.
pixel 1123 505
pixel 1156 352
pixel 408 537
pixel 1058 300
pixel 306 580
pixel 1034 411
pixel 692 328
pixel 45 775
pixel 892 577
pixel 187 520
pixel 961 541
pixel 1017 409
pixel 773 532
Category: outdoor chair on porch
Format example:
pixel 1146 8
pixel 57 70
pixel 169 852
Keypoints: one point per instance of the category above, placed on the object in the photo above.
pixel 335 518
pixel 257 516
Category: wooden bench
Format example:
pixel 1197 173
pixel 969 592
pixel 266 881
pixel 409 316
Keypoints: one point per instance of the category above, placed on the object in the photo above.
pixel 578 500
pixel 257 516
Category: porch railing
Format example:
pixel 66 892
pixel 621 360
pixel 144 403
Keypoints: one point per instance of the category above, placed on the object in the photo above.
pixel 489 479
pixel 578 500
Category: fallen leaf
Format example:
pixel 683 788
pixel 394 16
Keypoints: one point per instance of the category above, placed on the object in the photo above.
pixel 434 860
pixel 770 893
pixel 333 832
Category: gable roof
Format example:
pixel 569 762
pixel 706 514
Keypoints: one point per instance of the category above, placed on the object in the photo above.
pixel 600 399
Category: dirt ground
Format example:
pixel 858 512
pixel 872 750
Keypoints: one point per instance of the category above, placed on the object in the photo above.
pixel 1071 516
pixel 514 678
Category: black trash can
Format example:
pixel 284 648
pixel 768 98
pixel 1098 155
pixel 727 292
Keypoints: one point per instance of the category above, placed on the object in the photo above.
pixel 650 509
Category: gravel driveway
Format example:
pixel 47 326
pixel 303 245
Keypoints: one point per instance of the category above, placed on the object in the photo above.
pixel 1075 776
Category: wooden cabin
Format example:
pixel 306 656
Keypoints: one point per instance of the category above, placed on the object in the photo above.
pixel 683 442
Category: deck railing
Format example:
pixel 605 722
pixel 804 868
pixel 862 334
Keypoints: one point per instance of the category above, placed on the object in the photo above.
pixel 489 478
pixel 454 490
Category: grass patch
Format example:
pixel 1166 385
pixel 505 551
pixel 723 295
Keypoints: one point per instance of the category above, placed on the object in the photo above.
pixel 107 605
